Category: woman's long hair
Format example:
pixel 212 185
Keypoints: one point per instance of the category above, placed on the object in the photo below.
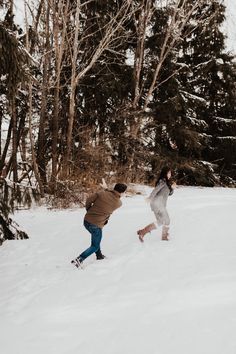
pixel 163 176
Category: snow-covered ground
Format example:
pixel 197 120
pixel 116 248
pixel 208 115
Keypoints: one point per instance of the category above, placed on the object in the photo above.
pixel 176 297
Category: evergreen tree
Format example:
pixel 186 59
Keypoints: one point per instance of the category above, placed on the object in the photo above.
pixel 212 79
pixel 160 90
pixel 187 105
pixel 13 59
pixel 9 229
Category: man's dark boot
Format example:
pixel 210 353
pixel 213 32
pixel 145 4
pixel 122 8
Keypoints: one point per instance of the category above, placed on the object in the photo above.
pixel 99 255
pixel 78 262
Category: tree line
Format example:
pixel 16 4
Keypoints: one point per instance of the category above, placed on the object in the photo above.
pixel 115 89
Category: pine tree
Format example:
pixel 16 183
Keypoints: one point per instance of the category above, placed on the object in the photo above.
pixel 212 79
pixel 187 105
pixel 9 198
pixel 12 71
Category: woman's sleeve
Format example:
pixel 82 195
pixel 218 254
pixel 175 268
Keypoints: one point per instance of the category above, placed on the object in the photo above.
pixel 156 190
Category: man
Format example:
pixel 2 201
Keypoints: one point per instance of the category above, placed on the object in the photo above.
pixel 99 207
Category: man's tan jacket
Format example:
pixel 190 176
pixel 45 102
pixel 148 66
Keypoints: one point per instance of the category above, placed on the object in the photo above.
pixel 100 206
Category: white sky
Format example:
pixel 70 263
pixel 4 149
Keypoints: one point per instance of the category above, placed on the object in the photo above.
pixel 230 24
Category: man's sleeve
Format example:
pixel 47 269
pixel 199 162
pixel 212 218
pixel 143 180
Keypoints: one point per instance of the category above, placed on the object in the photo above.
pixel 90 200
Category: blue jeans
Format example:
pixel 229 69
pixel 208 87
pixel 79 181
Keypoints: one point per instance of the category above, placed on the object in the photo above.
pixel 96 237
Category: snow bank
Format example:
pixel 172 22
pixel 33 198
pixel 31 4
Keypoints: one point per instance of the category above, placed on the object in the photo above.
pixel 175 297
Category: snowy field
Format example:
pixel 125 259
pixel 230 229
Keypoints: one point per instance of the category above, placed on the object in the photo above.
pixel 176 297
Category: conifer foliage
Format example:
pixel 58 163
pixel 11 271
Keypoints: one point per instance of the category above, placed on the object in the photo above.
pixel 9 229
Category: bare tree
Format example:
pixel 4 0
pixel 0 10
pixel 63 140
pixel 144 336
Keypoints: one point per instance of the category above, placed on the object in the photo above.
pixel 110 31
pixel 145 13
pixel 73 85
pixel 44 88
pixel 182 12
pixel 32 144
pixel 60 13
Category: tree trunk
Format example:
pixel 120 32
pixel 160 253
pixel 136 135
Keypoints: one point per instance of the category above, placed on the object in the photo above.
pixel 59 44
pixel 33 155
pixel 68 156
pixel 14 139
pixel 41 135
pixel 5 150
pixel 34 162
pixel 1 115
pixel 141 30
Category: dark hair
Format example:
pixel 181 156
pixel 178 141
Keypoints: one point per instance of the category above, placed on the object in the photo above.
pixel 120 187
pixel 163 176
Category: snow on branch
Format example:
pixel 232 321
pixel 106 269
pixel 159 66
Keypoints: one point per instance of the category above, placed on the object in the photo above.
pixel 192 97
pixel 225 120
pixel 197 122
pixel 227 138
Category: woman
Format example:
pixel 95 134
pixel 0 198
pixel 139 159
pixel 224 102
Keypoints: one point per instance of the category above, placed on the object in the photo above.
pixel 158 199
